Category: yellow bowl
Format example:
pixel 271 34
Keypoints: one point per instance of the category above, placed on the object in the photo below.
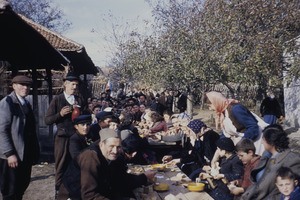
pixel 161 187
pixel 158 167
pixel 196 187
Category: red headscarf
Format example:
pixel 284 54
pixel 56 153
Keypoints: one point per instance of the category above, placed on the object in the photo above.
pixel 221 103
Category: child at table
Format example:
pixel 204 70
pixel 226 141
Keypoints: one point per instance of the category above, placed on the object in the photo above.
pixel 231 168
pixel 287 184
pixel 246 151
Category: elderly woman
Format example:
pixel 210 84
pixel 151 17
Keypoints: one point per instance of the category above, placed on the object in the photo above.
pixel 198 148
pixel 236 121
pixel 277 155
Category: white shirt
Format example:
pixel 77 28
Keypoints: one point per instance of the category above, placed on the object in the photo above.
pixel 21 99
pixel 70 98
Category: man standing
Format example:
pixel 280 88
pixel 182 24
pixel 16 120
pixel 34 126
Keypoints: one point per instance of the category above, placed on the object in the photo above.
pixel 19 147
pixel 60 113
pixel 99 172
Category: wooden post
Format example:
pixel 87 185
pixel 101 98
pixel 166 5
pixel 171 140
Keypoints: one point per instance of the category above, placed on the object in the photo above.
pixel 50 96
pixel 35 100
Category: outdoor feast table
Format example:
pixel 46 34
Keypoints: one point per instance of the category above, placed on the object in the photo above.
pixel 177 181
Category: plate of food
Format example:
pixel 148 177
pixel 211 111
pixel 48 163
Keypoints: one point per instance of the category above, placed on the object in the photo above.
pixel 196 187
pixel 161 187
pixel 159 167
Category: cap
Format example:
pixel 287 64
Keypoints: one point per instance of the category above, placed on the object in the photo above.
pixel 226 144
pixel 81 119
pixel 71 76
pixel 21 79
pixel 196 125
pixel 102 115
pixel 108 133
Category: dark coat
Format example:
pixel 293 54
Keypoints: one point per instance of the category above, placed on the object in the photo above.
pixel 265 187
pixel 77 144
pixel 270 107
pixel 232 168
pixel 64 124
pixel 17 129
pixel 92 177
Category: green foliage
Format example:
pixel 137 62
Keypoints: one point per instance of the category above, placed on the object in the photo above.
pixel 197 43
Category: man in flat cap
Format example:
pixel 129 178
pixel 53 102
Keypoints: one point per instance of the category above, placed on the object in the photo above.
pixel 19 148
pixel 60 113
pixel 104 119
pixel 80 140
pixel 99 172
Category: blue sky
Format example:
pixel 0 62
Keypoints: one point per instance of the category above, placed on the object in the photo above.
pixel 88 15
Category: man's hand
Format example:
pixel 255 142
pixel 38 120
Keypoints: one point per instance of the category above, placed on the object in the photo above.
pixel 167 158
pixel 236 190
pixel 12 161
pixel 65 110
pixel 204 176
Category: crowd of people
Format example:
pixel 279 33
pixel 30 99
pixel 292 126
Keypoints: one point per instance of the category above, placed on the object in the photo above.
pixel 94 143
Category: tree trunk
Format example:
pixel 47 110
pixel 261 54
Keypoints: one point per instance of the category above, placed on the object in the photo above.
pixel 189 103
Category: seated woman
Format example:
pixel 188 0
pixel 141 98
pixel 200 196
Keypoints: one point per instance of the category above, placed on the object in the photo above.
pixel 231 168
pixel 158 122
pixel 198 149
pixel 277 154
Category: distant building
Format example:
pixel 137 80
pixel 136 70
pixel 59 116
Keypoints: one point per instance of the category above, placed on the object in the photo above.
pixel 292 90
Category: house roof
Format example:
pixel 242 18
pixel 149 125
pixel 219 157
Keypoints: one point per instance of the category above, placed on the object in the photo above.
pixel 24 47
pixel 74 51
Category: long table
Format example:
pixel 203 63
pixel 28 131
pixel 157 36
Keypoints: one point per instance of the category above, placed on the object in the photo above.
pixel 177 181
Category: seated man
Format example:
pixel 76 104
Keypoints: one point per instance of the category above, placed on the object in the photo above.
pixel 99 172
pixel 104 118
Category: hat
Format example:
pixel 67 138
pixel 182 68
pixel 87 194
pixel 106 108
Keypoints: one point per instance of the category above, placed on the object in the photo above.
pixel 125 133
pixel 21 79
pixel 108 133
pixel 196 125
pixel 71 76
pixel 226 144
pixel 102 115
pixel 81 119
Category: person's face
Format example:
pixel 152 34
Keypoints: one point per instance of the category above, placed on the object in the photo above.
pixel 111 148
pixel 94 102
pixel 96 110
pixel 130 102
pixel 91 106
pixel 221 152
pixel 267 146
pixel 89 100
pixel 70 87
pixel 211 107
pixel 83 129
pixel 142 99
pixel 286 186
pixel 245 157
pixel 99 102
pixel 104 103
pixel 142 108
pixel 21 89
pixel 136 108
pixel 105 123
pixel 166 117
pixel 113 125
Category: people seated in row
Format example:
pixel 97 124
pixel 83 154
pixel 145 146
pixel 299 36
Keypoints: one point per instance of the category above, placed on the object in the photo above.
pixel 230 169
pixel 277 154
pixel 99 172
pixel 198 149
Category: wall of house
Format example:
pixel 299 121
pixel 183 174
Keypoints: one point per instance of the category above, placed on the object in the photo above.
pixel 292 104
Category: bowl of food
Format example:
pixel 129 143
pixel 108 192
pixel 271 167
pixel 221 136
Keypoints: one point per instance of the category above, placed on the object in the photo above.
pixel 196 187
pixel 161 187
pixel 159 167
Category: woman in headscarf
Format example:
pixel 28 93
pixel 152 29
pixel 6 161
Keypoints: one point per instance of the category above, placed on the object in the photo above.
pixel 236 121
pixel 199 147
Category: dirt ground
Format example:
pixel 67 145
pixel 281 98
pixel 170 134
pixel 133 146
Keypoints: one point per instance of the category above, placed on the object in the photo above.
pixel 42 180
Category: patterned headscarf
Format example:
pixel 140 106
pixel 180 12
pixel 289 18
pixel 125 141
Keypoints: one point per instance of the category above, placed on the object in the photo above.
pixel 196 126
pixel 221 103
